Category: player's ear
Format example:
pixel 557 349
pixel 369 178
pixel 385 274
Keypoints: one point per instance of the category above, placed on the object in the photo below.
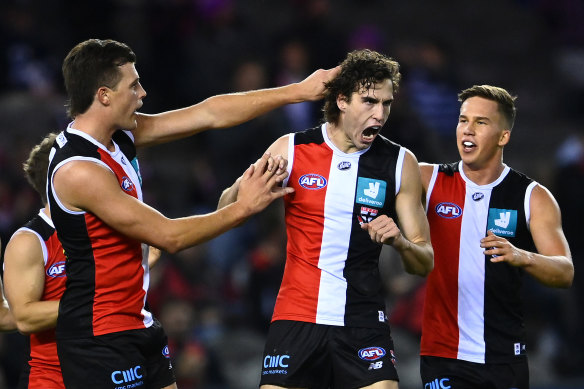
pixel 505 137
pixel 103 95
pixel 342 102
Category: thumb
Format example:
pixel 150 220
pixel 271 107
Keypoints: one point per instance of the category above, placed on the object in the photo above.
pixel 490 233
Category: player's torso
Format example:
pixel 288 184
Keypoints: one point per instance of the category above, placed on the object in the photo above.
pixel 331 275
pixel 108 276
pixel 473 306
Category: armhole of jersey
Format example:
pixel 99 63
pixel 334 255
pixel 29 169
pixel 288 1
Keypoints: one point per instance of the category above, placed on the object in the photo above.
pixel 41 242
pixel 290 159
pixel 61 164
pixel 527 202
pixel 130 135
pixel 399 165
pixel 431 185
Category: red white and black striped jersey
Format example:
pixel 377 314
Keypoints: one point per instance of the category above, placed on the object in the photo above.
pixel 473 309
pixel 44 370
pixel 107 273
pixel 331 274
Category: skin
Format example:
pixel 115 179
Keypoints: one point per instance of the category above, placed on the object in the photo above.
pixel 362 117
pixel 481 135
pixel 87 186
pixel 83 185
pixel 7 322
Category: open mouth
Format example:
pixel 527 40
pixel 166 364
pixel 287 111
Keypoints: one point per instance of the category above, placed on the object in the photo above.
pixel 467 145
pixel 371 132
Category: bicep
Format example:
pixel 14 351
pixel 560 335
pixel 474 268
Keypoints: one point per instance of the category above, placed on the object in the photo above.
pixel 90 187
pixel 24 270
pixel 412 218
pixel 546 224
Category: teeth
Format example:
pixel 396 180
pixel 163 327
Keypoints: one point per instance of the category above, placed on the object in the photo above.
pixel 468 144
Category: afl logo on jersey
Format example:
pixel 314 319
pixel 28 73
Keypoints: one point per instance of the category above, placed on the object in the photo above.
pixel 127 184
pixel 371 353
pixel 57 270
pixel 312 181
pixel 448 210
pixel 345 165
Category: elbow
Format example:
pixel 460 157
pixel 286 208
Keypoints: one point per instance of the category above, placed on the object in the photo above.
pixel 25 328
pixel 170 244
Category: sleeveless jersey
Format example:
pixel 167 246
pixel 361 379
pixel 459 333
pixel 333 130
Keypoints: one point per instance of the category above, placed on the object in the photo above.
pixel 43 369
pixel 331 274
pixel 107 275
pixel 473 308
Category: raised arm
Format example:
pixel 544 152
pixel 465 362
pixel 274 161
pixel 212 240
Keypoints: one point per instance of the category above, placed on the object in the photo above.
pixel 87 186
pixel 411 238
pixel 227 110
pixel 24 279
pixel 552 264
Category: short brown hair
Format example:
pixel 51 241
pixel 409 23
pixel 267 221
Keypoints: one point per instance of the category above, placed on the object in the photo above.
pixel 504 100
pixel 37 164
pixel 361 69
pixel 90 65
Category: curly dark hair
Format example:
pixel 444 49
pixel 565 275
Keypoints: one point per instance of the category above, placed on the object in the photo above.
pixel 361 69
pixel 90 65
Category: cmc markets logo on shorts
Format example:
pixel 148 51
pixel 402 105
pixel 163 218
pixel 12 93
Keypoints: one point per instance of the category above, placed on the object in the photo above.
pixel 371 353
pixel 130 378
pixel 438 383
pixel 448 210
pixel 127 184
pixel 57 270
pixel 312 181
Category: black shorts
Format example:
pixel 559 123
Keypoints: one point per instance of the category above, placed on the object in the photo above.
pixel 122 360
pixel 299 354
pixel 439 373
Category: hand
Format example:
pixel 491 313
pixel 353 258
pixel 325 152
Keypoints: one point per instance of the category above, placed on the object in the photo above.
pixel 279 163
pixel 314 85
pixel 258 186
pixel 383 229
pixel 502 250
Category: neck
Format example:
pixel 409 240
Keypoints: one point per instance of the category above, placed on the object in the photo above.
pixel 337 136
pixel 483 175
pixel 94 127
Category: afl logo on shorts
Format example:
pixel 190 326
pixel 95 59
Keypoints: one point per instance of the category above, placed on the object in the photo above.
pixel 312 181
pixel 127 184
pixel 371 353
pixel 448 210
pixel 57 270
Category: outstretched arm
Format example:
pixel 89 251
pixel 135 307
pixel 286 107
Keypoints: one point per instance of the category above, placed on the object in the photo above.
pixel 24 278
pixel 88 186
pixel 227 110
pixel 552 264
pixel 412 238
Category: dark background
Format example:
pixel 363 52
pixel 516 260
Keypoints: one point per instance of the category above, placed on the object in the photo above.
pixel 215 300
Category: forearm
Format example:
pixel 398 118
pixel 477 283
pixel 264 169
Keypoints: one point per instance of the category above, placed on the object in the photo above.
pixel 190 231
pixel 7 322
pixel 553 271
pixel 229 195
pixel 36 316
pixel 418 258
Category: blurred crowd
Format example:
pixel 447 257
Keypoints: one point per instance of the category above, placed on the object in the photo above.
pixel 215 300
